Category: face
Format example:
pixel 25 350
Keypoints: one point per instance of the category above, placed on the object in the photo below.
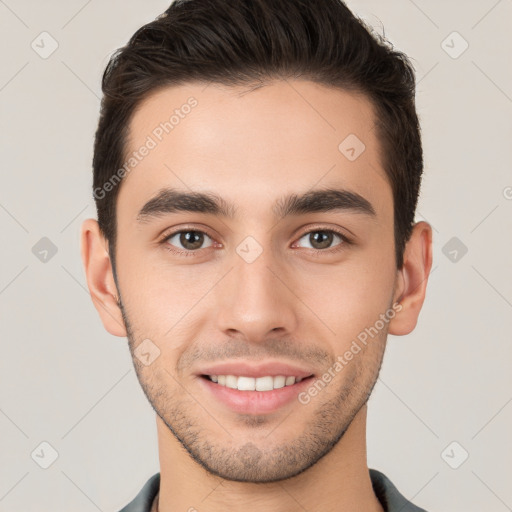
pixel 288 258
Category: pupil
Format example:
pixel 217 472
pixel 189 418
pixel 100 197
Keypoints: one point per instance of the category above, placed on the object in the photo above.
pixel 191 239
pixel 325 239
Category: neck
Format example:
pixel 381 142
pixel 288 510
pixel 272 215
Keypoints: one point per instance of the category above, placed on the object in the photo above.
pixel 338 482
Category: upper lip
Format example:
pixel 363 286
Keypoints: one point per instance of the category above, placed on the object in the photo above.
pixel 240 368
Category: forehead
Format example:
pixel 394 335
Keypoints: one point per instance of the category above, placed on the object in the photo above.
pixel 252 146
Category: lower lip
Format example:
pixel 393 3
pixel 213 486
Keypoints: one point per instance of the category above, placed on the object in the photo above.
pixel 255 402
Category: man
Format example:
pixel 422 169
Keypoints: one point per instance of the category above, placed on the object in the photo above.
pixel 256 170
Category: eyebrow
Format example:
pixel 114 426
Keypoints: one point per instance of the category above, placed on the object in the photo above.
pixel 170 200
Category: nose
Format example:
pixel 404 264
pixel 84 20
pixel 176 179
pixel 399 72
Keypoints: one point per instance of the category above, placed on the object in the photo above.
pixel 256 300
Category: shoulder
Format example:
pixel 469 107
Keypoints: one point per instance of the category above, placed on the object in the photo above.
pixel 144 500
pixel 389 496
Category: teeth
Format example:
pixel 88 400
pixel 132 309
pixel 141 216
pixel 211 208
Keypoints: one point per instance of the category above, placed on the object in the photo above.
pixel 242 383
pixel 279 382
pixel 231 381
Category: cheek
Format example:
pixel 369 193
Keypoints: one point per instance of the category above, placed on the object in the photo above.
pixel 161 298
pixel 346 297
pixel 351 298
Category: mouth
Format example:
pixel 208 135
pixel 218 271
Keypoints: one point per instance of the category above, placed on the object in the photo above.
pixel 249 395
pixel 265 383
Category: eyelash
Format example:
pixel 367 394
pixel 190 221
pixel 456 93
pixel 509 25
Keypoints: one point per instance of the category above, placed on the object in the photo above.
pixel 316 252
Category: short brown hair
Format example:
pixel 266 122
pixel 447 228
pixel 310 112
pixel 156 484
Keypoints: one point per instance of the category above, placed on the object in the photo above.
pixel 242 42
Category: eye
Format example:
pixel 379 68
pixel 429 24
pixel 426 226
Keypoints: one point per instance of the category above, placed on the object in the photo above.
pixel 188 240
pixel 321 239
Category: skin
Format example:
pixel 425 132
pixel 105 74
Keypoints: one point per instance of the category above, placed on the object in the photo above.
pixel 297 302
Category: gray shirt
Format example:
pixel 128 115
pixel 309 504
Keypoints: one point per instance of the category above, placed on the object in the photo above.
pixel 388 495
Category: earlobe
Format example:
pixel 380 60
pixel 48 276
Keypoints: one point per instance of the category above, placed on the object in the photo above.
pixel 412 279
pixel 100 279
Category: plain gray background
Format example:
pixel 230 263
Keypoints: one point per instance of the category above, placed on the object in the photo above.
pixel 444 391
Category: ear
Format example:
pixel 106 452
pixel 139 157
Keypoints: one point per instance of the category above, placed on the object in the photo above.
pixel 100 278
pixel 412 278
